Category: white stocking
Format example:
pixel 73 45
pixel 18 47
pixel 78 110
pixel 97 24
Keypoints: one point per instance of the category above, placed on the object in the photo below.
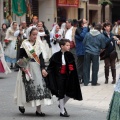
pixel 66 98
pixel 38 109
pixel 61 102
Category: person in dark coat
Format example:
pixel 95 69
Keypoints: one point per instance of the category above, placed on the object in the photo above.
pixel 62 78
pixel 80 33
pixel 111 55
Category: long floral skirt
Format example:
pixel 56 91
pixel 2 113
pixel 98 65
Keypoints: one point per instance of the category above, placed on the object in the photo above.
pixel 114 109
pixel 34 92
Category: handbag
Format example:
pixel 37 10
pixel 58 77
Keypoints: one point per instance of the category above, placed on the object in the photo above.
pixel 113 55
pixel 72 44
pixel 103 54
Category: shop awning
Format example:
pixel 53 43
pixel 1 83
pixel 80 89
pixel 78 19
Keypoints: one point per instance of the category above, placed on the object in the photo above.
pixel 68 3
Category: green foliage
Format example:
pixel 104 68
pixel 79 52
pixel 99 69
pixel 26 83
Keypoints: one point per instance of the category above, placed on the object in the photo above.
pixel 105 2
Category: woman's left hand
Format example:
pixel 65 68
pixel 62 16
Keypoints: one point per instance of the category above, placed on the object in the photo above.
pixel 44 73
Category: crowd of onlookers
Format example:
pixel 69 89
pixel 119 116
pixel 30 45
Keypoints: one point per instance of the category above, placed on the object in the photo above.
pixel 88 43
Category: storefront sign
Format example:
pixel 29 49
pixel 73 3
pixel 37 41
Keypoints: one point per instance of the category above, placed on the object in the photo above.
pixel 68 3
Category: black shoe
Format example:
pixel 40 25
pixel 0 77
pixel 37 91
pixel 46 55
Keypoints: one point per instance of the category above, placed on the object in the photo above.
pixel 11 67
pixel 98 84
pixel 64 109
pixel 64 115
pixel 16 70
pixel 40 114
pixel 22 109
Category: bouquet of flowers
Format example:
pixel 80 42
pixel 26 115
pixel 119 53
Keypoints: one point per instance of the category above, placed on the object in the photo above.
pixel 23 64
pixel 7 42
pixel 56 37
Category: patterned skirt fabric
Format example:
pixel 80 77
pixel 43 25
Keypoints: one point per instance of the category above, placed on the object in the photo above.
pixel 36 88
pixel 33 92
pixel 114 110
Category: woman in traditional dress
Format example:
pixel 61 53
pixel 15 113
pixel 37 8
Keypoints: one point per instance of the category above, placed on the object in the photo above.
pixel 45 38
pixel 10 40
pixel 3 65
pixel 114 109
pixel 55 36
pixel 32 90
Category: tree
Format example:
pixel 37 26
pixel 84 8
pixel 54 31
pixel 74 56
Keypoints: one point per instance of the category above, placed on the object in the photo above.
pixel 103 4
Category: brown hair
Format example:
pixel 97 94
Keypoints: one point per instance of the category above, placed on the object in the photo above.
pixel 98 27
pixel 3 25
pixel 63 42
pixel 107 24
pixel 34 28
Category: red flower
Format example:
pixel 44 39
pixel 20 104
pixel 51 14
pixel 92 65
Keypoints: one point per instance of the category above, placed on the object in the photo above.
pixel 71 68
pixel 57 35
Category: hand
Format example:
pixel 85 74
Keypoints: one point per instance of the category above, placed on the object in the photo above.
pixel 118 42
pixel 21 32
pixel 44 73
pixel 22 69
pixel 114 37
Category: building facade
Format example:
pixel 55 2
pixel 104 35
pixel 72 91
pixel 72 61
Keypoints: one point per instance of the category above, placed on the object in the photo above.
pixel 95 12
pixel 49 12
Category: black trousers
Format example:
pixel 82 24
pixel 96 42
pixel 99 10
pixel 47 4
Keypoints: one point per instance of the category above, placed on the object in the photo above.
pixel 61 83
pixel 80 61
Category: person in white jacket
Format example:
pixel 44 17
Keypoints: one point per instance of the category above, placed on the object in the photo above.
pixel 10 40
pixel 55 36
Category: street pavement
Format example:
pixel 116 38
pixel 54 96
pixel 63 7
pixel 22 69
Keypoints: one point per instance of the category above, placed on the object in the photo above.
pixel 94 106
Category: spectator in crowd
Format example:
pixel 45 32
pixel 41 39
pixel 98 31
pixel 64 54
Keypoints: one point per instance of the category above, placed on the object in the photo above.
pixel 3 33
pixel 94 42
pixel 55 37
pixel 110 58
pixel 10 40
pixel 80 33
pixel 34 21
pixel 21 35
pixel 45 39
pixel 70 34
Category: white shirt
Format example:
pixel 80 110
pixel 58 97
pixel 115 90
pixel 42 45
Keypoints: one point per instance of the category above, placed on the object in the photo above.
pixel 63 59
pixel 68 34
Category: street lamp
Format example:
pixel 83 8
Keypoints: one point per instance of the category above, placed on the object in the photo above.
pixel 85 6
